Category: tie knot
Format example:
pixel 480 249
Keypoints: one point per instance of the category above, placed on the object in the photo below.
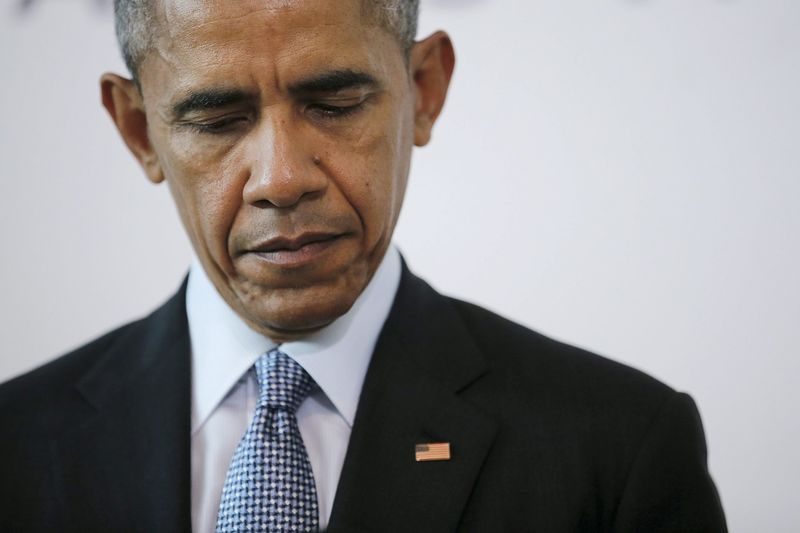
pixel 282 382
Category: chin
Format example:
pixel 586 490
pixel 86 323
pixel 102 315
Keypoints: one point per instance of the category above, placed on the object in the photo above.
pixel 295 315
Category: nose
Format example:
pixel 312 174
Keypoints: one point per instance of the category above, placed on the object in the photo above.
pixel 284 167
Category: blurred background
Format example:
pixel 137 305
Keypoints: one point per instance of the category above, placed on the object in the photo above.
pixel 623 175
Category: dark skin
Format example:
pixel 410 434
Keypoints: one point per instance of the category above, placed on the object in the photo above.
pixel 284 130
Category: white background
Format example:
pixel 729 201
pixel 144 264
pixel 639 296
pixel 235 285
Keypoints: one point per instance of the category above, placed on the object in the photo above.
pixel 620 174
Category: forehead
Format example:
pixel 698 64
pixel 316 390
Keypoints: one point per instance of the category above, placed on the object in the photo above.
pixel 246 41
pixel 184 14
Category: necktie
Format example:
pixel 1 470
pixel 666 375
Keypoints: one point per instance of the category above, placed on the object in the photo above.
pixel 270 485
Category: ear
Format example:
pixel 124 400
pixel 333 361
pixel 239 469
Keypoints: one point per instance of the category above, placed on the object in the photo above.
pixel 123 101
pixel 432 62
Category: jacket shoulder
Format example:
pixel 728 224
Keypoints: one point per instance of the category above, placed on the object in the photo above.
pixel 53 381
pixel 511 343
pixel 613 445
pixel 36 389
pixel 534 371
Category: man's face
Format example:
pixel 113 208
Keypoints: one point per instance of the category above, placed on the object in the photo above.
pixel 284 129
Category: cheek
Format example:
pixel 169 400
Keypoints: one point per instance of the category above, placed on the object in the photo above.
pixel 370 171
pixel 207 189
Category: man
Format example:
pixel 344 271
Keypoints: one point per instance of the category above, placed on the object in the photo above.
pixel 302 377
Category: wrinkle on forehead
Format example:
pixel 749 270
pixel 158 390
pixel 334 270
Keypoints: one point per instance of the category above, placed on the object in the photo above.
pixel 179 18
pixel 175 18
pixel 201 37
pixel 171 18
pixel 182 11
pixel 176 14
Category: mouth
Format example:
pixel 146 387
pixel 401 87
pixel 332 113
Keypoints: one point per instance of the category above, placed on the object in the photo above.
pixel 295 251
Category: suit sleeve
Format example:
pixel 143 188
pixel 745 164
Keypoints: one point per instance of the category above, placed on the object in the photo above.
pixel 669 488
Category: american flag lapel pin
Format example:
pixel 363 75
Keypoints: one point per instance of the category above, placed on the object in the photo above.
pixel 433 451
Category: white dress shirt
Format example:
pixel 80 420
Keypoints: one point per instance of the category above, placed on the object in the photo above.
pixel 224 388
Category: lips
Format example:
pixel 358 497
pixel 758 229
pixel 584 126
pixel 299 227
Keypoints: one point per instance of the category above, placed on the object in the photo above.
pixel 280 244
pixel 294 251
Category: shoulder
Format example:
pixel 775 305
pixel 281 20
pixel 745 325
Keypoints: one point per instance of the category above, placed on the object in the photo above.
pixel 524 369
pixel 588 398
pixel 511 347
pixel 46 403
pixel 119 351
pixel 588 414
pixel 40 407
pixel 31 397
pixel 606 439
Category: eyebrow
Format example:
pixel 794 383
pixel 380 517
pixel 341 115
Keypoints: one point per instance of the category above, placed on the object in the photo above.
pixel 209 99
pixel 333 81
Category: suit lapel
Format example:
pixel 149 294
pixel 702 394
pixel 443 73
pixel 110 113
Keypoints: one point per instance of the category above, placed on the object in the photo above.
pixel 423 359
pixel 127 465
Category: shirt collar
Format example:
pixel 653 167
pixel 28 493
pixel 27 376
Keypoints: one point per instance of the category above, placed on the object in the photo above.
pixel 224 347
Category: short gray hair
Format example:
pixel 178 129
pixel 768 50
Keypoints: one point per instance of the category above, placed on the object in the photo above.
pixel 135 23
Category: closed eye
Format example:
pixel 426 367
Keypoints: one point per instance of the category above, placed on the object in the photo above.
pixel 219 126
pixel 330 112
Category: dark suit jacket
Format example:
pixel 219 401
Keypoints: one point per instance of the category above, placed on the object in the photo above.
pixel 545 437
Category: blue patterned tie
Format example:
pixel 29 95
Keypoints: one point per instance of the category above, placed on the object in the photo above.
pixel 270 485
